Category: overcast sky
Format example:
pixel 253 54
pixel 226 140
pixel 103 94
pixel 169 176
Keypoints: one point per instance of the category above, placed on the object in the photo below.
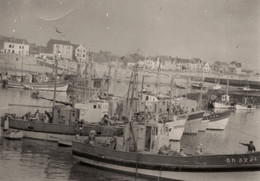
pixel 224 30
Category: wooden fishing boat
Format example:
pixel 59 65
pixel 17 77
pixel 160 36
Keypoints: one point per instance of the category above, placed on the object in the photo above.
pixel 63 125
pixel 244 107
pixel 147 158
pixel 61 87
pixel 64 142
pixel 12 134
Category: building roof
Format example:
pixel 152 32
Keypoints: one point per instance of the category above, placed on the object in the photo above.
pixel 182 60
pixel 61 42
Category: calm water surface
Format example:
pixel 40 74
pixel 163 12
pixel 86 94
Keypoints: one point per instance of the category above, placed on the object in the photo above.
pixel 31 160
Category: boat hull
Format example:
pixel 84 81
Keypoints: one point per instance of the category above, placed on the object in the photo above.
pixel 13 135
pixel 193 122
pixel 48 87
pixel 204 125
pixel 218 121
pixel 54 132
pixel 243 107
pixel 196 167
pixel 176 128
pixel 221 106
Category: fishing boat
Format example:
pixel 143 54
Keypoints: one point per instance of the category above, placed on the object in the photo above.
pixel 217 119
pixel 246 106
pixel 64 142
pixel 60 87
pixel 193 122
pixel 64 125
pixel 12 134
pixel 139 152
pixel 216 87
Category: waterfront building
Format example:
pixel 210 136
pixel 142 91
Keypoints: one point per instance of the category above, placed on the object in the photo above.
pixel 152 63
pixel 206 67
pixel 221 67
pixel 167 63
pixel 64 48
pixel 235 67
pixel 182 64
pixel 14 45
pixel 80 53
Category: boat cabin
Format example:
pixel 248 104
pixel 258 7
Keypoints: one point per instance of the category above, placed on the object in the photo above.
pixel 148 137
pixel 225 98
pixel 92 111
pixel 65 115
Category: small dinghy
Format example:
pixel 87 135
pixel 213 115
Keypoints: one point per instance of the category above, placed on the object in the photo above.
pixel 64 142
pixel 12 134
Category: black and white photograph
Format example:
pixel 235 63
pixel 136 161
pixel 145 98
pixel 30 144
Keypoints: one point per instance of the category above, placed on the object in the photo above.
pixel 129 90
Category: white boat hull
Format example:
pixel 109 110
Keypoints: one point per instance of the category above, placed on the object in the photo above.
pixel 15 134
pixel 221 106
pixel 243 107
pixel 176 129
pixel 203 125
pixel 172 175
pixel 46 136
pixel 218 125
pixel 59 88
pixel 192 127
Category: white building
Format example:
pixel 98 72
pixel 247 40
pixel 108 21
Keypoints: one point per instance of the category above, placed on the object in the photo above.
pixel 64 48
pixel 14 45
pixel 206 68
pixel 81 53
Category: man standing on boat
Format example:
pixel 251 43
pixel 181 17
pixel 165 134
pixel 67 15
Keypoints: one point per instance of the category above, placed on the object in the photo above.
pixel 251 146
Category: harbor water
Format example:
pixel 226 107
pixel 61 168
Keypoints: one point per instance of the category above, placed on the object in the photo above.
pixel 33 160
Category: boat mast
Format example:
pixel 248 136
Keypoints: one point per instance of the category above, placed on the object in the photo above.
pixel 55 83
pixel 90 78
pixel 201 88
pixel 158 78
pixel 77 82
pixel 109 73
pixel 115 83
pixel 86 76
pixel 134 86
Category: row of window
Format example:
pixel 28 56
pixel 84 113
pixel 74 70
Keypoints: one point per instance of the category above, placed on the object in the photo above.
pixel 81 50
pixel 63 46
pixel 12 46
pixel 78 55
pixel 20 52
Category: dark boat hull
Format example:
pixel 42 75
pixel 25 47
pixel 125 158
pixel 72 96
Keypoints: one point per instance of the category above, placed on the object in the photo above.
pixel 196 167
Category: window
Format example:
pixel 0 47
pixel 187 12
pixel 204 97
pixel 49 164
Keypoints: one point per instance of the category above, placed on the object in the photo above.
pixel 10 46
pixel 12 51
pixel 94 106
pixel 99 106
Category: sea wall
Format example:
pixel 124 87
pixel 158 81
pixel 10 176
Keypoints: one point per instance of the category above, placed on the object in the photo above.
pixel 21 63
